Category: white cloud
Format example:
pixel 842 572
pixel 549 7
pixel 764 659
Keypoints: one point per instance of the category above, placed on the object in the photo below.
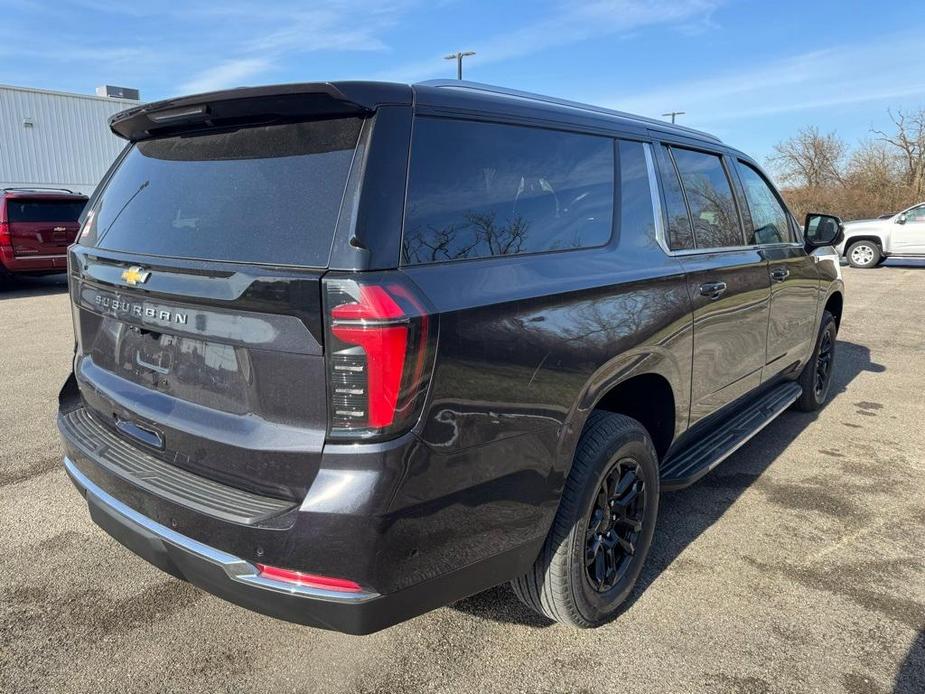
pixel 836 76
pixel 230 73
pixel 570 22
pixel 192 45
pixel 292 31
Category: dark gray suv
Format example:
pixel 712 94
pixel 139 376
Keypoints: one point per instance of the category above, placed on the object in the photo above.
pixel 346 352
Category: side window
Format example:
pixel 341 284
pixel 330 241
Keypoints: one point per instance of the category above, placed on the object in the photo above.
pixel 477 190
pixel 637 218
pixel 916 214
pixel 680 234
pixel 709 195
pixel 769 218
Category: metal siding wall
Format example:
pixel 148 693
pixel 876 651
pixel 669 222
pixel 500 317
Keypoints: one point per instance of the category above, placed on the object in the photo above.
pixel 69 145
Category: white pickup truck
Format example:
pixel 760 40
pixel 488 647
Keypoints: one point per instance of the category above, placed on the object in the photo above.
pixel 869 242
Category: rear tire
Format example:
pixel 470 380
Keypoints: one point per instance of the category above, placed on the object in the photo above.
pixel 816 377
pixel 590 562
pixel 863 254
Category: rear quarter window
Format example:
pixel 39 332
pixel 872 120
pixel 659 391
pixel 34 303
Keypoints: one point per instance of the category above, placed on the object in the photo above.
pixel 479 190
pixel 268 194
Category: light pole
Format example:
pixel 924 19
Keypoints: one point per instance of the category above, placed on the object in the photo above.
pixel 458 57
pixel 673 114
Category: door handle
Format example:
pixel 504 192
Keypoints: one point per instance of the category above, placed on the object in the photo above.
pixel 779 274
pixel 713 290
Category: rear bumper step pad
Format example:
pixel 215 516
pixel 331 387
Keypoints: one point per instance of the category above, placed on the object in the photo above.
pixel 162 479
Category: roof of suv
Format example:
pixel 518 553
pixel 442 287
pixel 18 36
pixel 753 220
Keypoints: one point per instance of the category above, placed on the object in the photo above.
pixel 485 94
pixel 48 193
pixel 345 97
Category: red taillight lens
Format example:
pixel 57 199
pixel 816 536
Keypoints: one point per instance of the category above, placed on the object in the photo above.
pixel 303 579
pixel 379 351
pixel 5 239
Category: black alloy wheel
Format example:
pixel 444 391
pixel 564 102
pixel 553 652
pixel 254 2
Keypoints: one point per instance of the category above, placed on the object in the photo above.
pixel 824 364
pixel 614 525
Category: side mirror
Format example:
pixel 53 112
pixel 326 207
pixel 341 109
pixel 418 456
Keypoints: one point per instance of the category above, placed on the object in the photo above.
pixel 901 219
pixel 823 230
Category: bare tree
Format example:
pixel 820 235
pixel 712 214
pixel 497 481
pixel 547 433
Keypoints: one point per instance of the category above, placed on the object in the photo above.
pixel 810 159
pixel 909 140
pixel 872 165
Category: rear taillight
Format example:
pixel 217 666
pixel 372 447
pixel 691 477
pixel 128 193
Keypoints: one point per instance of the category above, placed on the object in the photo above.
pixel 5 239
pixel 379 353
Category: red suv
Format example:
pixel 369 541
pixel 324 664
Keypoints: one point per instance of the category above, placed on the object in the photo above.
pixel 36 227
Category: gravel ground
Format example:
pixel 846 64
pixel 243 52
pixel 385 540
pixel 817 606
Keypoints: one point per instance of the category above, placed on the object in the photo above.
pixel 796 566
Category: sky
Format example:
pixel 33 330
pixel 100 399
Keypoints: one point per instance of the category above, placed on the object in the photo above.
pixel 751 71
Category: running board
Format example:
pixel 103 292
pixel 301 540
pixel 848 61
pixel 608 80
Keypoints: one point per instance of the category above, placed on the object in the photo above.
pixel 690 464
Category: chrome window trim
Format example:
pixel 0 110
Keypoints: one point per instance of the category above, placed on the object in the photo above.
pixel 732 249
pixel 655 193
pixel 235 568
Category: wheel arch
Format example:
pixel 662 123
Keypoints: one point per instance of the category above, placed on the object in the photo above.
pixel 851 240
pixel 651 387
pixel 649 399
pixel 835 304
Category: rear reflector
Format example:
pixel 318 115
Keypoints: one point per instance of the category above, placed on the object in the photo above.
pixel 379 351
pixel 303 579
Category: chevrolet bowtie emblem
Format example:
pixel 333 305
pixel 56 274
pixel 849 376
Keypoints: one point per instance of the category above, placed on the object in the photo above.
pixel 135 275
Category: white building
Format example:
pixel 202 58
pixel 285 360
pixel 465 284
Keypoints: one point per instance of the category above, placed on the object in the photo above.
pixel 56 139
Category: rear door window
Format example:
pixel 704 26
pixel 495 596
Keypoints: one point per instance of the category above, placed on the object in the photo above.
pixel 478 190
pixel 769 218
pixel 23 210
pixel 267 194
pixel 709 196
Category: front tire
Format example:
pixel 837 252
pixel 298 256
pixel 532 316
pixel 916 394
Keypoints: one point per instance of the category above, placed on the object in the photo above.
pixel 863 254
pixel 603 529
pixel 816 377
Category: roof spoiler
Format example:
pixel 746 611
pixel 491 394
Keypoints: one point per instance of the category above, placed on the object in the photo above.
pixel 288 102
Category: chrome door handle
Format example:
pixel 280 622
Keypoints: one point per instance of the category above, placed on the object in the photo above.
pixel 713 290
pixel 779 274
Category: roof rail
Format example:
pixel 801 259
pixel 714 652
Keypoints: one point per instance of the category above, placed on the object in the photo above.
pixel 530 96
pixel 39 189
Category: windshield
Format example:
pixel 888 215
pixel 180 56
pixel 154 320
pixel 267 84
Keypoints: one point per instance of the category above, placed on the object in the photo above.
pixel 268 194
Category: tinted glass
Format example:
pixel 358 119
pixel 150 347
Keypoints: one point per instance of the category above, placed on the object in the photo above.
pixel 19 210
pixel 266 194
pixel 713 209
pixel 637 218
pixel 680 234
pixel 483 189
pixel 769 218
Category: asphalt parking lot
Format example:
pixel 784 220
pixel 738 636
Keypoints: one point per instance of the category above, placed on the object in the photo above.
pixel 798 565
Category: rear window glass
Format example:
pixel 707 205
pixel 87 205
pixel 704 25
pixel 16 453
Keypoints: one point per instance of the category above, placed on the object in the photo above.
pixel 483 189
pixel 18 210
pixel 267 194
